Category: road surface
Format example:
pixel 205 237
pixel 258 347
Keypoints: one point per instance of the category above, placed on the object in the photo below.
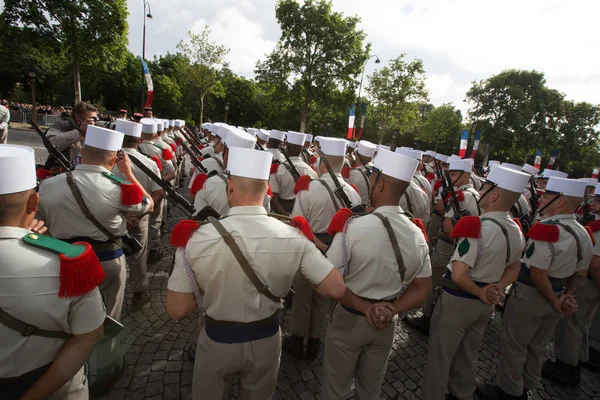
pixel 29 139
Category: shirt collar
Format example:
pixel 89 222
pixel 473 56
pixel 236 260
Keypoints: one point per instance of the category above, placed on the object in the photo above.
pixel 328 175
pixel 13 232
pixel 148 141
pixel 467 186
pixel 90 168
pixel 295 158
pixel 559 217
pixel 389 209
pixel 247 210
pixel 495 214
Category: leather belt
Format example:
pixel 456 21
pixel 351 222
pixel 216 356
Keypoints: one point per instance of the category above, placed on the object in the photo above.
pixel 241 332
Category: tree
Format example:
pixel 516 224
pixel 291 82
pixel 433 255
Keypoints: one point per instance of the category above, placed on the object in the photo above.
pixel 441 129
pixel 89 31
pixel 578 138
pixel 204 57
pixel 318 50
pixel 397 92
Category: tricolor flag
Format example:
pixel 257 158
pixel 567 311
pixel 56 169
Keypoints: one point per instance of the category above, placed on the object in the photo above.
pixel 538 160
pixel 148 84
pixel 553 156
pixel 464 139
pixel 476 144
pixel 363 109
pixel 595 173
pixel 351 118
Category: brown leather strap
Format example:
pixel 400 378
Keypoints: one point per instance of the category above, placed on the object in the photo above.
pixel 366 178
pixel 242 261
pixel 335 204
pixel 27 330
pixel 392 235
pixel 86 211
pixel 409 203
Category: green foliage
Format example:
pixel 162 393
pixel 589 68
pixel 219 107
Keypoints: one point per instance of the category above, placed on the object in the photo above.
pixel 440 129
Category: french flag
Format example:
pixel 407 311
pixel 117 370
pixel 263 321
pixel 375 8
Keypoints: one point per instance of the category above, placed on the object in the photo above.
pixel 595 173
pixel 538 159
pixel 553 156
pixel 464 139
pixel 475 144
pixel 351 118
pixel 149 84
pixel 363 108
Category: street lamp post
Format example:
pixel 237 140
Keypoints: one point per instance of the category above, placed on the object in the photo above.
pixel 148 15
pixel 377 61
pixel 33 102
pixel 226 111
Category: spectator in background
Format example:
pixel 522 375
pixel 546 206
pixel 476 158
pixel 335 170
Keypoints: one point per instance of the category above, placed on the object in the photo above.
pixel 4 119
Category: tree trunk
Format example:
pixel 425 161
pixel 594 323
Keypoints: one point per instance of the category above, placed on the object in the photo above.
pixel 201 109
pixel 76 81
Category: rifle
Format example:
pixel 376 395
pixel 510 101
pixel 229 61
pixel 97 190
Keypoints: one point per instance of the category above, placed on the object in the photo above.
pixel 339 190
pixel 587 216
pixel 454 201
pixel 206 212
pixel 166 186
pixel 60 157
pixel 440 174
pixel 534 197
pixel 292 168
pixel 258 146
pixel 193 157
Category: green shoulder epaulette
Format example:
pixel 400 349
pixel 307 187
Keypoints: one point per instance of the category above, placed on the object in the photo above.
pixel 116 178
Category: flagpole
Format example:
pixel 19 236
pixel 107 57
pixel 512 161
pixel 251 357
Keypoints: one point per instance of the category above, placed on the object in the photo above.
pixel 377 61
pixel 149 15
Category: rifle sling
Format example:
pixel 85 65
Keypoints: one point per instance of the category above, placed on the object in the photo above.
pixel 338 187
pixel 504 232
pixel 27 330
pixel 293 171
pixel 366 178
pixel 395 247
pixel 333 199
pixel 242 261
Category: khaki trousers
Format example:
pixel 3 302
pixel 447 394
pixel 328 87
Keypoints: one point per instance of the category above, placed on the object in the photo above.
pixel 528 324
pixel 309 310
pixel 75 389
pixel 256 365
pixel 435 224
pixel 154 224
pixel 571 338
pixel 3 135
pixel 354 349
pixel 439 265
pixel 457 328
pixel 138 278
pixel 595 330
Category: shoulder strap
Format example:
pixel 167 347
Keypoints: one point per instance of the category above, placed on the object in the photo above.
pixel 242 261
pixel 223 178
pixel 335 204
pixel 289 168
pixel 392 235
pixel 27 330
pixel 86 212
pixel 220 163
pixel 409 203
pixel 504 232
pixel 366 178
pixel 572 232
pixel 420 184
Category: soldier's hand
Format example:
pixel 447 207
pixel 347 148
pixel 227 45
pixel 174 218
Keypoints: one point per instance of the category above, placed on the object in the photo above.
pixel 483 293
pixel 379 315
pixel 494 293
pixel 124 164
pixel 132 222
pixel 565 303
pixel 38 226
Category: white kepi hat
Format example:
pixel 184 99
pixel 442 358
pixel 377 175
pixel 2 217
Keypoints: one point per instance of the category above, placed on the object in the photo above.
pixel 530 169
pixel 430 153
pixel 309 138
pixel 128 128
pixel 148 125
pixel 568 187
pixel 442 157
pixel 102 138
pixel 249 163
pixel 296 138
pixel 263 135
pixel 160 124
pixel 458 164
pixel 333 146
pixel 238 138
pixel 596 191
pixel 406 152
pixel 252 131
pixel 275 134
pixel 20 161
pixel 552 173
pixel 590 182
pixel 491 163
pixel 508 178
pixel 514 167
pixel 366 148
pixel 396 165
pixel 178 123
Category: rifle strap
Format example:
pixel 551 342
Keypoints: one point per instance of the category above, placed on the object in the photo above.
pixel 395 247
pixel 292 170
pixel 572 232
pixel 409 203
pixel 27 330
pixel 504 232
pixel 366 178
pixel 220 163
pixel 335 203
pixel 242 261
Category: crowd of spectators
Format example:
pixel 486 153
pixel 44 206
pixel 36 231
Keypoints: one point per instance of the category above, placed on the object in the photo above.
pixel 41 108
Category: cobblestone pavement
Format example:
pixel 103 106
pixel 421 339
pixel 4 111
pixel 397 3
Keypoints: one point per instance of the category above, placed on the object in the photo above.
pixel 158 368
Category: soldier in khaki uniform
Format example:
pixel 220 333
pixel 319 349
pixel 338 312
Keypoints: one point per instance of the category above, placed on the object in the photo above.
pixel 36 291
pixel 275 143
pixel 283 181
pixel 359 175
pixel 547 174
pixel 485 261
pixel 370 265
pixel 242 336
pixel 213 155
pixel 262 138
pixel 318 204
pixel 415 199
pixel 308 154
pixel 459 172
pixel 438 211
pixel 538 300
pixel 420 176
pixel 138 227
pixel 110 200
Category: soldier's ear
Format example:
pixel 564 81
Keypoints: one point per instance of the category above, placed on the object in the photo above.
pixel 33 202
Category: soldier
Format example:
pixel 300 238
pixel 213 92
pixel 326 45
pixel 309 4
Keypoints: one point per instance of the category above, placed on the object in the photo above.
pixel 420 178
pixel 284 176
pixel 4 120
pixel 138 227
pixel 147 112
pixel 547 174
pixel 123 113
pixel 262 138
pixel 557 249
pixel 90 204
pixel 51 311
pixel 521 208
pixel 359 175
pixel 241 286
pixel 485 261
pixel 415 198
pixel 437 214
pixel 137 117
pixel 530 191
pixel 275 142
pixel 459 174
pixel 428 169
pixel 317 202
pixel 376 269
pixel 308 156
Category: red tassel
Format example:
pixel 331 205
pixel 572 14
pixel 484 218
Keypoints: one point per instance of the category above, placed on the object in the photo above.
pixel 469 227
pixel 198 183
pixel 338 221
pixel 131 194
pixel 269 191
pixel 354 187
pixel 518 222
pixel 579 211
pixel 274 168
pixel 437 185
pixel 157 161
pixel 42 173
pixel 430 177
pixel 182 232
pixel 589 232
pixel 81 274
pixel 345 172
pixel 173 147
pixel 314 169
pixel 544 232
pixel 419 223
pixel 594 225
pixel 167 155
pixel 302 224
pixel 200 146
pixel 460 196
pixel 312 160
pixel 302 184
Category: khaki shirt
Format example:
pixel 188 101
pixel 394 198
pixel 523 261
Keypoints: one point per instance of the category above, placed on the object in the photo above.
pixel 522 206
pixel 486 255
pixel 416 202
pixel 316 206
pixel 469 203
pixel 151 149
pixel 424 184
pixel 476 182
pixel 596 243
pixel 147 183
pixel 168 139
pixel 211 164
pixel 102 197
pixel 360 178
pixel 372 268
pixel 560 258
pixel 277 155
pixel 283 182
pixel 275 251
pixel 29 284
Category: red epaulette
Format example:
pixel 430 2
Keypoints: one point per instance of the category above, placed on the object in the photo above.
pixel 42 173
pixel 345 172
pixel 594 225
pixel 200 146
pixel 518 222
pixel 437 185
pixel 338 221
pixel 198 183
pixel 131 193
pixel 579 211
pixel 182 232
pixel 274 168
pixel 460 196
pixel 302 224
pixel 419 223
pixel 430 177
pixel 589 232
pixel 269 191
pixel 544 232
pixel 353 186
pixel 156 159
pixel 469 227
pixel 173 146
pixel 312 160
pixel 166 154
pixel 302 183
pixel 80 274
pixel 314 169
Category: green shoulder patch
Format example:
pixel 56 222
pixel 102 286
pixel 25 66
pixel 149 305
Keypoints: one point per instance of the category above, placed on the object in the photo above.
pixel 463 247
pixel 529 250
pixel 54 245
pixel 116 178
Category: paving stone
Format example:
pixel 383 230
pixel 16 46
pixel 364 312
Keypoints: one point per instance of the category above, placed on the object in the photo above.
pixel 154 388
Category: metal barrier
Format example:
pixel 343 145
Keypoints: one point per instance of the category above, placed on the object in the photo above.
pixel 42 119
